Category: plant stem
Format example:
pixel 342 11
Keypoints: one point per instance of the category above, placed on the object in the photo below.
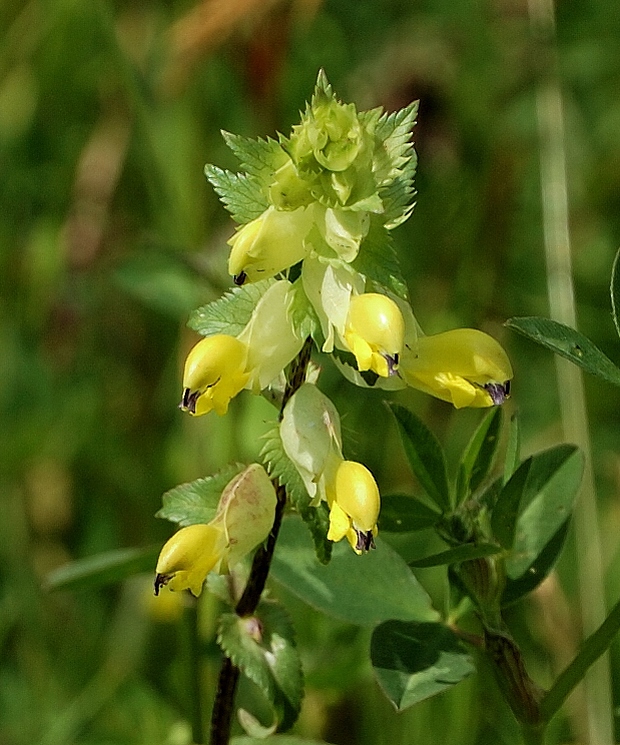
pixel 221 718
pixel 597 727
pixel 190 616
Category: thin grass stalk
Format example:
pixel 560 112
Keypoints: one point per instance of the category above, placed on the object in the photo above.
pixel 598 724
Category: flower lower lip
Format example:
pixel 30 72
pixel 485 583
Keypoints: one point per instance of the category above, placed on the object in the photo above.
pixel 188 402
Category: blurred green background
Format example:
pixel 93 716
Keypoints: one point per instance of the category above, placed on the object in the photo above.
pixel 110 235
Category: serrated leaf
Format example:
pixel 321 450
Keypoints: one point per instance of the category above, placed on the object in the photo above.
pixel 552 486
pixel 258 158
pixel 466 552
pixel 378 260
pixel 414 661
pixel 568 343
pixel 395 165
pixel 196 501
pixel 506 510
pixel 477 460
pixel 615 291
pixel 231 313
pixel 538 570
pixel 425 455
pixel 363 590
pixel 263 647
pixel 279 466
pixel 102 569
pixel 401 513
pixel 240 194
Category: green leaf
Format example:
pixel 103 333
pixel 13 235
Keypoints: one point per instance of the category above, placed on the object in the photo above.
pixel 378 259
pixel 615 291
pixel 401 513
pixel 591 649
pixel 161 280
pixel 414 661
pixel 275 740
pixel 538 570
pixel 466 552
pixel 102 569
pixel 279 466
pixel 568 343
pixel 263 647
pixel 395 164
pixel 513 448
pixel 258 158
pixel 552 486
pixel 196 502
pixel 506 510
pixel 425 455
pixel 240 194
pixel 477 460
pixel 363 590
pixel 231 313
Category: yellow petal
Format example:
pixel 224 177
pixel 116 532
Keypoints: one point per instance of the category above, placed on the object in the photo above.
pixel 188 556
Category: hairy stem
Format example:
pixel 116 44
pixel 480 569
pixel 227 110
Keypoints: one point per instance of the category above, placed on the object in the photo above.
pixel 221 718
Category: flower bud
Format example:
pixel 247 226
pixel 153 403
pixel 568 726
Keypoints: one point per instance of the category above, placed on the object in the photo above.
pixel 214 373
pixel 187 557
pixel 464 366
pixel 269 244
pixel 354 503
pixel 374 332
pixel 289 191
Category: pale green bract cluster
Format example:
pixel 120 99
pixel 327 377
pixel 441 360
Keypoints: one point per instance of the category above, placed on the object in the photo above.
pixel 312 257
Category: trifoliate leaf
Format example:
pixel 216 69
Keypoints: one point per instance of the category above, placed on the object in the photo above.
pixel 363 590
pixel 240 194
pixel 231 313
pixel 413 661
pixel 258 158
pixel 263 647
pixel 196 502
pixel 279 466
pixel 378 261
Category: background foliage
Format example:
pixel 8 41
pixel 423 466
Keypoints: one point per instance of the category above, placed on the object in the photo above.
pixel 110 236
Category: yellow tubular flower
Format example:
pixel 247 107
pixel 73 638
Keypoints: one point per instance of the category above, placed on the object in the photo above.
pixel 374 332
pixel 187 557
pixel 243 519
pixel 271 243
pixel 214 373
pixel 464 366
pixel 354 503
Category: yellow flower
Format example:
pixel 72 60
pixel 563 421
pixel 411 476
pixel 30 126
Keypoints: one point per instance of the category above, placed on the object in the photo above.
pixel 269 244
pixel 354 502
pixel 187 557
pixel 214 373
pixel 374 332
pixel 243 519
pixel 464 366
